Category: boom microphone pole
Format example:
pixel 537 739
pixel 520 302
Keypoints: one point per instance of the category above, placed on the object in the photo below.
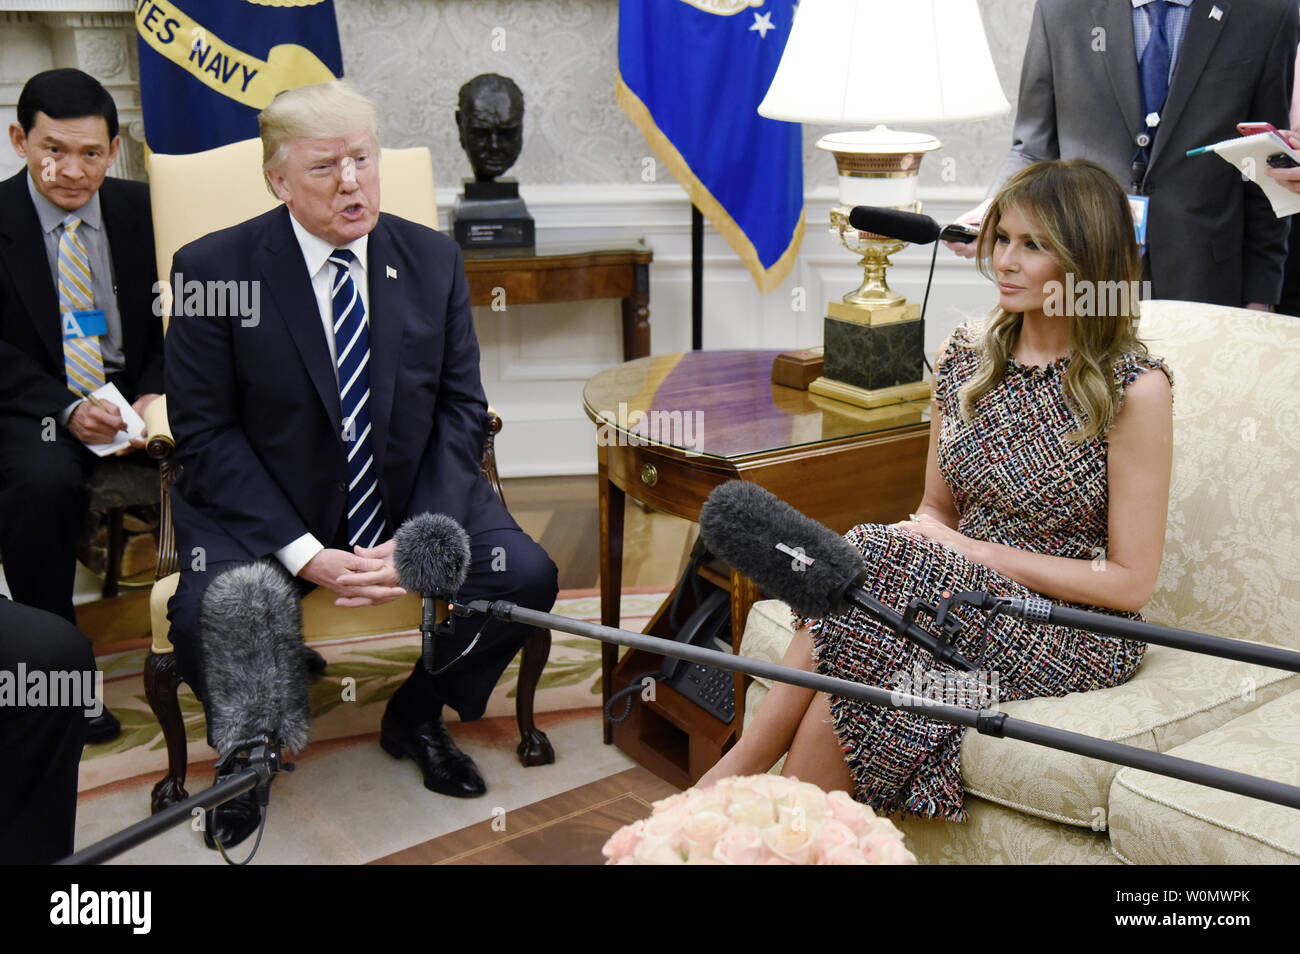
pixel 794 557
pixel 257 699
pixel 984 721
pixel 264 760
pixel 819 573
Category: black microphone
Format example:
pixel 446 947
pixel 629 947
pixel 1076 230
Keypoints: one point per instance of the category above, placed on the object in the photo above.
pixel 257 682
pixel 795 558
pixel 895 223
pixel 432 558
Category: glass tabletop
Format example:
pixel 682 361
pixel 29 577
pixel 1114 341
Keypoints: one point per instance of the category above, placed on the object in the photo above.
pixel 723 404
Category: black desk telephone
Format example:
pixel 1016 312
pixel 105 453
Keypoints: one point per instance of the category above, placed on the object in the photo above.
pixel 709 626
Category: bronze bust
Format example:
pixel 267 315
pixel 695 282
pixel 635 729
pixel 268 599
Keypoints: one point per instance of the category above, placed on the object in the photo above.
pixel 490 118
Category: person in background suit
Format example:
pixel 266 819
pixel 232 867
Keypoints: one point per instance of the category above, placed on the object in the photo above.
pixel 1133 85
pixel 40 745
pixel 72 240
pixel 350 402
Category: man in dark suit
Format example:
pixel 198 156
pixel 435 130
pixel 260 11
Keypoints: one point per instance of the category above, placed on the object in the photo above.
pixel 40 745
pixel 1135 84
pixel 62 216
pixel 350 402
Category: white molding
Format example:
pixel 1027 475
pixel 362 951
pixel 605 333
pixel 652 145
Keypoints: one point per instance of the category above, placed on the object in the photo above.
pixel 69 6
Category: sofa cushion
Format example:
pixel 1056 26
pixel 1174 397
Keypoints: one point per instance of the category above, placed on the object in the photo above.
pixel 1174 697
pixel 1154 819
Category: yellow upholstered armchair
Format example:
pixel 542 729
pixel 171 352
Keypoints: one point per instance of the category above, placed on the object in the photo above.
pixel 192 196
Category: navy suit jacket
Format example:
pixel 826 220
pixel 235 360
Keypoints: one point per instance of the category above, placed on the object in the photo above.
pixel 32 381
pixel 255 409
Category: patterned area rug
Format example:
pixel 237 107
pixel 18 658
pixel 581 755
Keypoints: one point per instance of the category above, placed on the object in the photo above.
pixel 348 699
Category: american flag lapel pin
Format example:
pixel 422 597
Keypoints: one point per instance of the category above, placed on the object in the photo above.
pixel 390 271
pixel 1216 13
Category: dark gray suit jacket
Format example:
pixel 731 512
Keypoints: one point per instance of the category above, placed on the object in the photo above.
pixel 1211 236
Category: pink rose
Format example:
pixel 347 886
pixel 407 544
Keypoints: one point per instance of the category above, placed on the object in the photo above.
pixel 789 844
pixel 832 834
pixel 657 851
pixel 623 842
pixel 702 832
pixel 740 845
pixel 843 855
pixel 856 815
pixel 882 848
pixel 668 823
pixel 705 800
pixel 757 812
pixel 666 804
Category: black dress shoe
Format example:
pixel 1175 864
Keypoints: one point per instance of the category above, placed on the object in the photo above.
pixel 314 660
pixel 446 769
pixel 234 821
pixel 102 728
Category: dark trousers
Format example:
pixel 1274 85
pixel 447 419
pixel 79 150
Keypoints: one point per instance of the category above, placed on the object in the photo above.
pixel 40 747
pixel 1290 303
pixel 505 564
pixel 43 497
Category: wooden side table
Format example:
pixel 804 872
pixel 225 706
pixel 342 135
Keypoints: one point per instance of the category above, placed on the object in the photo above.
pixel 670 429
pixel 561 273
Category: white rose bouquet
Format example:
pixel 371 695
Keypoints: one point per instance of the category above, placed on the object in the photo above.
pixel 759 820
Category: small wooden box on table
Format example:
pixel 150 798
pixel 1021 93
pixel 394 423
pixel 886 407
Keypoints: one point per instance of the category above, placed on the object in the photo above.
pixel 673 427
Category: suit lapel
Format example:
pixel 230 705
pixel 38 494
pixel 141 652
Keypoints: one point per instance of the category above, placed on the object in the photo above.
pixel 125 247
pixel 388 310
pixel 1203 32
pixel 284 275
pixel 1116 18
pixel 24 256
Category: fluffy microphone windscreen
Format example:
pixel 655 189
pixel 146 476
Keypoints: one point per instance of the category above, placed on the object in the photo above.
pixel 743 523
pixel 256 677
pixel 895 223
pixel 432 555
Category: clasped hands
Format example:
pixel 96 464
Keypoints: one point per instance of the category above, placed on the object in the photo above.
pixel 365 577
pixel 927 526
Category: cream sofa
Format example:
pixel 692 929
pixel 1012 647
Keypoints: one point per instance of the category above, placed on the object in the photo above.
pixel 1231 568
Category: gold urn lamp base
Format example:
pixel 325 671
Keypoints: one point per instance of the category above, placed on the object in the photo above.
pixel 874 338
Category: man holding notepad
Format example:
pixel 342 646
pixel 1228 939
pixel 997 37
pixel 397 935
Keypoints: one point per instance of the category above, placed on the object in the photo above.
pixel 77 279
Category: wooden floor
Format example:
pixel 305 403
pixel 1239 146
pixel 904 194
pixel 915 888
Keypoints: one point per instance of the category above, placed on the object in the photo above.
pixel 566 829
pixel 558 512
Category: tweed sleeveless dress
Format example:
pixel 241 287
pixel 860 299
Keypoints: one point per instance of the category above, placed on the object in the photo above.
pixel 1016 480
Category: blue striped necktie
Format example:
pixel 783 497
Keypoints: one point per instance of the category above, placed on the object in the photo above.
pixel 83 359
pixel 352 348
pixel 1155 63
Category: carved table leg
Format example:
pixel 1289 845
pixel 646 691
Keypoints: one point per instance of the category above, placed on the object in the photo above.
pixel 611 575
pixel 534 747
pixel 162 678
pixel 636 316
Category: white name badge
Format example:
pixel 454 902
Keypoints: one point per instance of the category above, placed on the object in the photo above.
pixel 1138 206
pixel 84 324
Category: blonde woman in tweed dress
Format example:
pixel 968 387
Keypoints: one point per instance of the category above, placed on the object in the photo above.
pixel 1048 474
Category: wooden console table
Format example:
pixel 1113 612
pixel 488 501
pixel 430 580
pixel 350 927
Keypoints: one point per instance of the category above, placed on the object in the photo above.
pixel 544 275
pixel 714 416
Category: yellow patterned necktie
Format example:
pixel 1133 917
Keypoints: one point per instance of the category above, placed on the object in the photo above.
pixel 83 360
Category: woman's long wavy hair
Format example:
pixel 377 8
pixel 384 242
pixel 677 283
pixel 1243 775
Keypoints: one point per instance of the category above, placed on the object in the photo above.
pixel 1081 218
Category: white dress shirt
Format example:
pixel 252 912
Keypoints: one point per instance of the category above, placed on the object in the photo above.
pixel 315 253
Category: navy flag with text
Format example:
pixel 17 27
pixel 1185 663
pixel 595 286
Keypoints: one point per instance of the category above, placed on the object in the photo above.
pixel 691 76
pixel 208 67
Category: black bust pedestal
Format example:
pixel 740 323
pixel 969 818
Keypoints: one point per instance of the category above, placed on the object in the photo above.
pixel 492 215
